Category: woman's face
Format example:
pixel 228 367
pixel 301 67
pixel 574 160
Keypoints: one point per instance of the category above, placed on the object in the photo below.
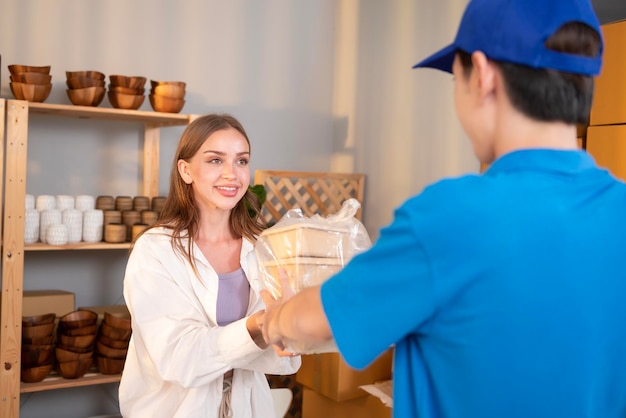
pixel 219 172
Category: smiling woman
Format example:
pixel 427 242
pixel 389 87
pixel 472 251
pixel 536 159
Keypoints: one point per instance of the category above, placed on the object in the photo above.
pixel 192 289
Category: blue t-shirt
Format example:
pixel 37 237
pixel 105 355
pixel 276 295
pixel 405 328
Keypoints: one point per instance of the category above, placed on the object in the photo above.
pixel 504 294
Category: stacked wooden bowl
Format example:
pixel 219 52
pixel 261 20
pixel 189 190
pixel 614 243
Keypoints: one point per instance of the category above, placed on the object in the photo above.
pixel 85 88
pixel 76 337
pixel 112 344
pixel 37 347
pixel 126 92
pixel 31 83
pixel 167 96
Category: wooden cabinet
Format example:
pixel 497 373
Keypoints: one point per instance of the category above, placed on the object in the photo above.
pixel 15 115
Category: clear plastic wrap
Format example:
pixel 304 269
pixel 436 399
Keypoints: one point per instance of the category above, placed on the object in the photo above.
pixel 310 249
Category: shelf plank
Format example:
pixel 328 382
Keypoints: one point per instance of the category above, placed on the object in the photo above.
pixel 77 246
pixel 55 381
pixel 102 113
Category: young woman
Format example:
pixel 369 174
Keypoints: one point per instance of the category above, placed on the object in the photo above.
pixel 192 289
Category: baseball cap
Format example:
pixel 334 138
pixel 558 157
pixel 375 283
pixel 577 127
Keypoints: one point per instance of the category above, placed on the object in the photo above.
pixel 515 31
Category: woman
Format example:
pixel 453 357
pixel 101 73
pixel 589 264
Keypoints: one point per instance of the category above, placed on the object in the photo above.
pixel 192 289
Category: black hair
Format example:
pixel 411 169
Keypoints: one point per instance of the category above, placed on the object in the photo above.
pixel 550 95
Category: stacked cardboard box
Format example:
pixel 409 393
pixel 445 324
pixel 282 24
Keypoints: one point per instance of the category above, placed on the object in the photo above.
pixel 332 387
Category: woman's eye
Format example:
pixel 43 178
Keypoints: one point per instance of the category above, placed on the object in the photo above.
pixel 215 161
pixel 243 161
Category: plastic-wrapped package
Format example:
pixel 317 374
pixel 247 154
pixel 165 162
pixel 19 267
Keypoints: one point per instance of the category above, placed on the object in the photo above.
pixel 310 249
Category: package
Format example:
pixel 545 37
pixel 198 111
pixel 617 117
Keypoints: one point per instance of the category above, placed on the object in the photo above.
pixel 39 302
pixel 315 405
pixel 310 249
pixel 329 375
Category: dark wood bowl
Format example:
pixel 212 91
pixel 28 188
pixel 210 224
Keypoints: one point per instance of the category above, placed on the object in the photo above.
pixel 35 374
pixel 29 321
pixel 79 319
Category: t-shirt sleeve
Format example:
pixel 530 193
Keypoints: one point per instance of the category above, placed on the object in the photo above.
pixel 382 294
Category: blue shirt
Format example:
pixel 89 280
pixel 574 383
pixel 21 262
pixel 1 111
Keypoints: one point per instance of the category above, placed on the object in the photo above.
pixel 504 294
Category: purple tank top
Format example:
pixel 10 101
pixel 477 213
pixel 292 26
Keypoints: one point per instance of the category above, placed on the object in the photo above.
pixel 233 295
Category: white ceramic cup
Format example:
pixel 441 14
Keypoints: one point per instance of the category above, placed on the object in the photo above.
pixel 29 202
pixel 31 226
pixel 64 201
pixel 45 202
pixel 56 234
pixel 85 202
pixel 48 217
pixel 93 225
pixel 73 220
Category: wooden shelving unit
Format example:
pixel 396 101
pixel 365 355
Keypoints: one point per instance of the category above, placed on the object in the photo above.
pixel 14 114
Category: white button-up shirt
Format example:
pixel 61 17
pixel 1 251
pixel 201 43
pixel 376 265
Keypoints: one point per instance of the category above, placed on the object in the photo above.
pixel 178 354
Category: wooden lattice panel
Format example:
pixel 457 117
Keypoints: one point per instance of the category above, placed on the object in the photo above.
pixel 313 192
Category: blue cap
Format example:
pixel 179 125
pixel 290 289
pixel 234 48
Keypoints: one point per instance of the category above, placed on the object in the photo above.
pixel 515 31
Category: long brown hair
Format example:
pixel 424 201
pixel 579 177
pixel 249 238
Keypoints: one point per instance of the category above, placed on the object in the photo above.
pixel 180 212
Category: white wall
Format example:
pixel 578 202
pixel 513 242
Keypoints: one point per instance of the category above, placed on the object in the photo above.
pixel 319 85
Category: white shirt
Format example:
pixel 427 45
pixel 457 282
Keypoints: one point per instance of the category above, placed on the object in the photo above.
pixel 178 354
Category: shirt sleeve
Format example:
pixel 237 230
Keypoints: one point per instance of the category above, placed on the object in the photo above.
pixel 382 294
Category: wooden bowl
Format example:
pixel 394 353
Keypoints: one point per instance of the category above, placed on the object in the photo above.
pixel 18 68
pixel 114 333
pixel 35 374
pixel 80 82
pixel 37 355
pixel 78 341
pixel 127 90
pixel 87 330
pixel 166 104
pixel 37 331
pixel 88 96
pixel 113 343
pixel 110 352
pixel 107 365
pixel 125 101
pixel 154 83
pixel 48 339
pixel 36 93
pixel 29 321
pixel 86 73
pixel 62 354
pixel 31 78
pixel 75 368
pixel 169 90
pixel 78 319
pixel 134 82
pixel 116 321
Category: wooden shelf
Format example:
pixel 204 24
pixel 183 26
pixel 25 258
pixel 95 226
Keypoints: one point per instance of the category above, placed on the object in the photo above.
pixel 159 119
pixel 55 381
pixel 78 246
pixel 14 124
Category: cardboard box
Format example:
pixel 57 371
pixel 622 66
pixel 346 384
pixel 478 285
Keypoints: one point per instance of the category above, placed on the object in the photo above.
pixel 607 145
pixel 329 375
pixel 120 311
pixel 609 99
pixel 315 405
pixel 38 302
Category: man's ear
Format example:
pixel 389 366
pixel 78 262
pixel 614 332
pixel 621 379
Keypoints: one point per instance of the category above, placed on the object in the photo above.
pixel 183 171
pixel 485 73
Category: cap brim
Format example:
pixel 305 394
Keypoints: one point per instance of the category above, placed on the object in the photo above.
pixel 441 60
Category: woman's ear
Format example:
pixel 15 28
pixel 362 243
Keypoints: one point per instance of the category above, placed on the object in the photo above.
pixel 183 171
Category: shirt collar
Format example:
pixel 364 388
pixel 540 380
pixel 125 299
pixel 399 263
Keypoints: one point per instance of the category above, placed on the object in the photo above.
pixel 546 160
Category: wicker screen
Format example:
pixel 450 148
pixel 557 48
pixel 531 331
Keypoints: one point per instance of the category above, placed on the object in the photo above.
pixel 313 192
